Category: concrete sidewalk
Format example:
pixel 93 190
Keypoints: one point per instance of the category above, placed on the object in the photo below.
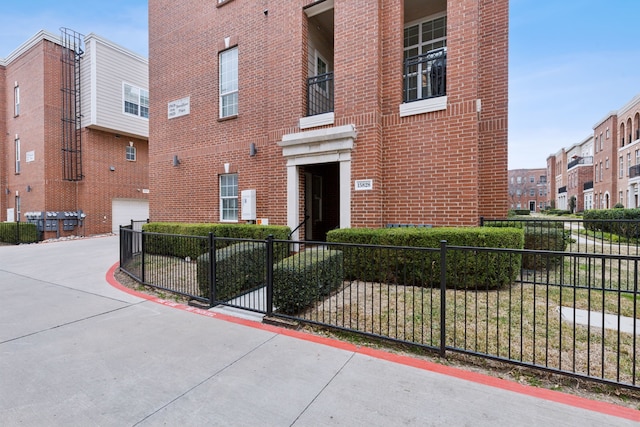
pixel 75 350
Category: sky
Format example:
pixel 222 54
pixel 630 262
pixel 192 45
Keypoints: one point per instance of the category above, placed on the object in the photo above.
pixel 571 62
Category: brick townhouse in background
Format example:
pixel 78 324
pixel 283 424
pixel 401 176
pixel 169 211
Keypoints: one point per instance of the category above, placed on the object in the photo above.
pixel 528 189
pixel 74 123
pixel 572 177
pixel 603 170
pixel 352 112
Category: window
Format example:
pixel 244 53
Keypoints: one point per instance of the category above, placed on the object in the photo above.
pixel 621 171
pixel 532 192
pixel 637 157
pixel 532 179
pixel 16 101
pixel 606 163
pixel 229 197
pixel 228 83
pixel 628 163
pixel 518 192
pixel 519 180
pixel 425 76
pixel 131 153
pixel 600 141
pixel 136 101
pixel 17 156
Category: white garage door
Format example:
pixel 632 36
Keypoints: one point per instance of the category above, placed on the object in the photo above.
pixel 125 210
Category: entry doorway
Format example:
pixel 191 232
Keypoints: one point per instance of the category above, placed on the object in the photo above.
pixel 532 206
pixel 321 200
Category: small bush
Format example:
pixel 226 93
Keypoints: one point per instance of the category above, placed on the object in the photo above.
pixel 546 239
pixel 240 268
pixel 9 232
pixel 304 278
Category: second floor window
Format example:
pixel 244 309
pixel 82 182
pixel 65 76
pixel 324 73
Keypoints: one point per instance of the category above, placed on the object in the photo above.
pixel 17 155
pixel 229 83
pixel 425 59
pixel 136 101
pixel 16 101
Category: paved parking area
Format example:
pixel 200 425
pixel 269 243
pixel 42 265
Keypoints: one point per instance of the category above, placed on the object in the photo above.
pixel 76 350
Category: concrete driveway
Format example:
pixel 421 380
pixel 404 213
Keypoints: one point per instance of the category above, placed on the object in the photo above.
pixel 77 351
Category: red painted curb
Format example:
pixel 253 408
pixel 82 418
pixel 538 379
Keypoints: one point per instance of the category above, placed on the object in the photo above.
pixel 541 393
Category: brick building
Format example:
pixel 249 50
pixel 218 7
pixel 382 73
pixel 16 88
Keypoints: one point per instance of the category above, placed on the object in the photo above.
pixel 573 179
pixel 528 189
pixel 352 113
pixel 603 170
pixel 74 120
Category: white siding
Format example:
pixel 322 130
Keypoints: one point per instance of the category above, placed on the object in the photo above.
pixel 105 67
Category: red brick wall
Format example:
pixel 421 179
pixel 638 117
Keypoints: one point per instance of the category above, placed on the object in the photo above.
pixel 442 168
pixel 3 145
pixel 611 181
pixel 39 128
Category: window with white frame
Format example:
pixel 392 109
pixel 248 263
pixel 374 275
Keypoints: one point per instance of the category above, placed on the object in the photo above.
pixel 621 167
pixel 16 101
pixel 228 63
pixel 17 155
pixel 130 154
pixel 136 101
pixel 229 197
pixel 425 58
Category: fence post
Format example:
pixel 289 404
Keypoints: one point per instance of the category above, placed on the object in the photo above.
pixel 443 297
pixel 481 221
pixel 143 240
pixel 212 269
pixel 269 301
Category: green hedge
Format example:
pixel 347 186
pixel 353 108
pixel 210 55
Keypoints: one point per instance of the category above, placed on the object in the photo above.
pixel 623 222
pixel 240 267
pixel 546 239
pixel 28 232
pixel 173 243
pixel 465 268
pixel 304 278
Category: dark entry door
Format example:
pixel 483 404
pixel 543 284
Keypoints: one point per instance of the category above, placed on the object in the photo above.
pixel 322 200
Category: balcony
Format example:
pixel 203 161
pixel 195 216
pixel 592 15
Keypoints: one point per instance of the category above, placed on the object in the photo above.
pixel 580 161
pixel 320 94
pixel 588 185
pixel 430 71
pixel 634 171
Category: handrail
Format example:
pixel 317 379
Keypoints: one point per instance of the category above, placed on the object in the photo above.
pixel 306 218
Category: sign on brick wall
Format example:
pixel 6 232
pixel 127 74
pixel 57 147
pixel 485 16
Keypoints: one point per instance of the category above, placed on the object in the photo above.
pixel 364 184
pixel 179 107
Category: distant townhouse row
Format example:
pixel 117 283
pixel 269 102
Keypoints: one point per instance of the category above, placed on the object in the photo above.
pixel 74 126
pixel 603 170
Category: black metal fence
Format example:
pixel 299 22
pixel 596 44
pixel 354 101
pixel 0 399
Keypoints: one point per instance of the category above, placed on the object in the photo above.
pixel 320 94
pixel 425 76
pixel 572 313
pixel 19 232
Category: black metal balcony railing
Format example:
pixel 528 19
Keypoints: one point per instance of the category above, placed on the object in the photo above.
pixel 320 94
pixel 562 190
pixel 634 171
pixel 588 160
pixel 425 76
pixel 588 185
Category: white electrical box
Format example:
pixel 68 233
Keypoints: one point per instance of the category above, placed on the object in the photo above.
pixel 248 205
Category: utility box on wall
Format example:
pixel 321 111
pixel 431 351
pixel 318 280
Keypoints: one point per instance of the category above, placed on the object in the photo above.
pixel 248 205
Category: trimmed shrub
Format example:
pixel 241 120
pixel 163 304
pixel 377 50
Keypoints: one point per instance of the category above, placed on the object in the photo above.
pixel 304 278
pixel 623 222
pixel 546 239
pixel 171 240
pixel 408 266
pixel 240 268
pixel 28 232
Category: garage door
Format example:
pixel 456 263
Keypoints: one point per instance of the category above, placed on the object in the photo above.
pixel 125 210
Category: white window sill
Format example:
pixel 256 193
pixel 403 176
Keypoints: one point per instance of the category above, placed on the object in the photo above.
pixel 423 106
pixel 317 120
